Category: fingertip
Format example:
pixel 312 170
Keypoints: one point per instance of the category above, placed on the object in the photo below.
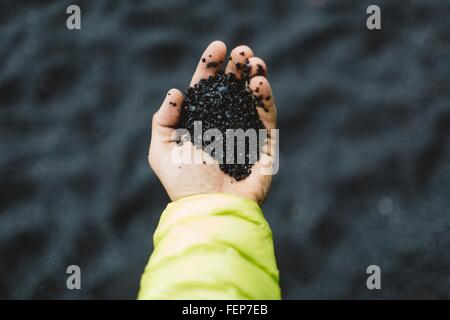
pixel 210 61
pixel 243 51
pixel 261 88
pixel 168 113
pixel 239 60
pixel 173 99
pixel 219 45
pixel 257 67
pixel 174 95
pixel 215 53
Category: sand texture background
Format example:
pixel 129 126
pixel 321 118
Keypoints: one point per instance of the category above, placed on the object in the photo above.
pixel 364 120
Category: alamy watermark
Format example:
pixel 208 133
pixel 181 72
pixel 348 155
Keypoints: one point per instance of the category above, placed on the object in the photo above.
pixel 374 280
pixel 373 21
pixel 73 22
pixel 73 281
pixel 242 147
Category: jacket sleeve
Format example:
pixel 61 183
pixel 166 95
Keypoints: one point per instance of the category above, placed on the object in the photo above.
pixel 211 246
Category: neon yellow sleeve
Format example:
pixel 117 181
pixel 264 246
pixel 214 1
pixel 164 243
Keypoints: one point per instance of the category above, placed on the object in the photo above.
pixel 211 246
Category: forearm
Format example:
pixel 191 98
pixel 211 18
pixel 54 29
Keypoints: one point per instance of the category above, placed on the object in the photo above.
pixel 212 246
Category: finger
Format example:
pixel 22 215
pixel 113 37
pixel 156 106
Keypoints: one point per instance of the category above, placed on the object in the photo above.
pixel 260 87
pixel 168 115
pixel 269 146
pixel 210 61
pixel 239 60
pixel 257 67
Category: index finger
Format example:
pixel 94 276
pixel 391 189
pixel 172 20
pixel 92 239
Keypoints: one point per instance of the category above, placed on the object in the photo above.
pixel 210 61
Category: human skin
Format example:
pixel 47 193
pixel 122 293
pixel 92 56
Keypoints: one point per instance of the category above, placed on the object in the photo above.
pixel 181 180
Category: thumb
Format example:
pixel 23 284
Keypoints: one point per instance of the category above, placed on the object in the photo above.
pixel 168 115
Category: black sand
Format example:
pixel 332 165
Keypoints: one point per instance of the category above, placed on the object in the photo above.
pixel 364 139
pixel 223 102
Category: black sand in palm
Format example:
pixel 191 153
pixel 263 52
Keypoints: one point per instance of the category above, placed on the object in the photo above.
pixel 223 102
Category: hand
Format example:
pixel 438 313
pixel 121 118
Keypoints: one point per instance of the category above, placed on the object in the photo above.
pixel 181 180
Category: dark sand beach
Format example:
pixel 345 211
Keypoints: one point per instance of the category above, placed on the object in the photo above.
pixel 364 120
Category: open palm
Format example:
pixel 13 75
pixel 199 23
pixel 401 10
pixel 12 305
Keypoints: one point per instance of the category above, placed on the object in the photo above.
pixel 181 180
